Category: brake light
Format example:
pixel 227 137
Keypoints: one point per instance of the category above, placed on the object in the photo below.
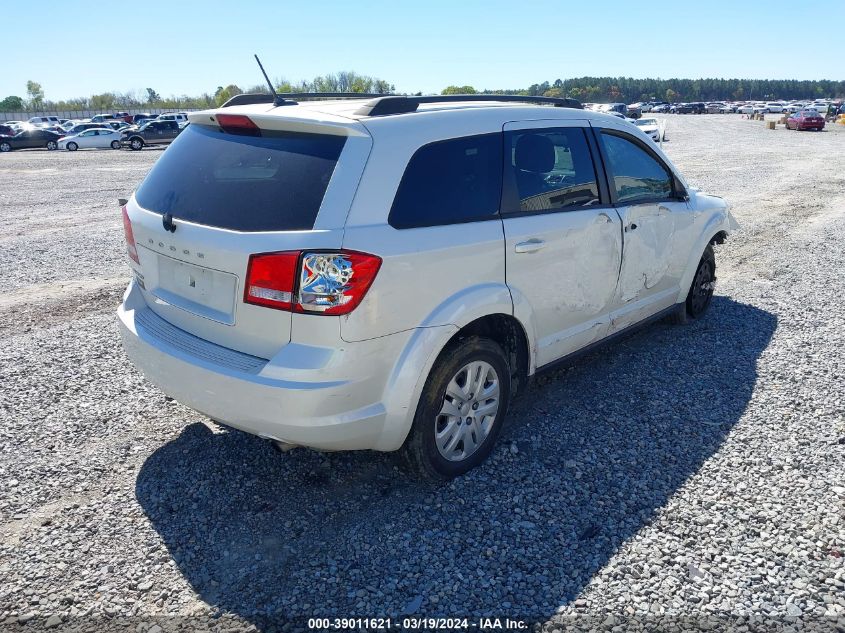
pixel 322 283
pixel 238 124
pixel 131 249
pixel 270 280
pixel 335 283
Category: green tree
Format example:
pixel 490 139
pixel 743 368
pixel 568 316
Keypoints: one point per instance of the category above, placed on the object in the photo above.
pixel 35 93
pixel 11 104
pixel 459 90
pixel 671 95
pixel 105 101
pixel 153 96
pixel 222 95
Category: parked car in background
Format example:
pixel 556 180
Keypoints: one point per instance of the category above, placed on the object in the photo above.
pixel 7 130
pixel 180 117
pixel 650 127
pixel 81 127
pixel 661 107
pixel 102 118
pixel 117 124
pixel 680 108
pixel 138 118
pixel 44 121
pixel 151 133
pixel 123 116
pixel 28 139
pixel 728 108
pixel 805 120
pixel 96 137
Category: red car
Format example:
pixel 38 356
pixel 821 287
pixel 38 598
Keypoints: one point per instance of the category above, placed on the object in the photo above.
pixel 805 120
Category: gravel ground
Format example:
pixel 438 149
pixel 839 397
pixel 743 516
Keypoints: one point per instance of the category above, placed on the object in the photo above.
pixel 688 477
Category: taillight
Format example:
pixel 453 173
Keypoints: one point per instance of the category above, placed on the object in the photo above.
pixel 270 280
pixel 130 238
pixel 335 283
pixel 238 124
pixel 323 283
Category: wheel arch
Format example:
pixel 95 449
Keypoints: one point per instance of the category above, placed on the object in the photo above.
pixel 715 232
pixel 426 345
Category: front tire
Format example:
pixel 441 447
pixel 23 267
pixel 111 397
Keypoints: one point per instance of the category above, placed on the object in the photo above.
pixel 136 144
pixel 115 144
pixel 72 147
pixel 461 410
pixel 703 284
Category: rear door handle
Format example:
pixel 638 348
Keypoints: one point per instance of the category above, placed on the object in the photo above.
pixel 530 246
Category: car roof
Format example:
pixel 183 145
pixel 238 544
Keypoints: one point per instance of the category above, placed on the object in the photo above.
pixel 344 112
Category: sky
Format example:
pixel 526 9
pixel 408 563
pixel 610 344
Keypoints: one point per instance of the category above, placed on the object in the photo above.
pixel 191 47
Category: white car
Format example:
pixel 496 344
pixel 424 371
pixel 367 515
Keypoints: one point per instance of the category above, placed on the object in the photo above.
pixel 44 121
pixel 650 127
pixel 180 117
pixel 94 137
pixel 366 275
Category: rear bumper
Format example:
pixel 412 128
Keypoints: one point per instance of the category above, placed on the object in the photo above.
pixel 325 398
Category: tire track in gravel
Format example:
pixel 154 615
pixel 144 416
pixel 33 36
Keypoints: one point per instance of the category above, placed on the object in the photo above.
pixel 48 305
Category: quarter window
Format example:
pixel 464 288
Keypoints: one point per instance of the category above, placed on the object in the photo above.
pixel 449 182
pixel 552 169
pixel 637 175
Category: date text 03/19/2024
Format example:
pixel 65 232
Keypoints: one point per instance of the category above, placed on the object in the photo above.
pixel 411 623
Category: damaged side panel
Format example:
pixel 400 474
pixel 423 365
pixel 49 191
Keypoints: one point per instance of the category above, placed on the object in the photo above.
pixel 569 279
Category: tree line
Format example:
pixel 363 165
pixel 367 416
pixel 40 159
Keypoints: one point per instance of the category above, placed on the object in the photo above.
pixel 35 100
pixel 584 89
pixel 628 89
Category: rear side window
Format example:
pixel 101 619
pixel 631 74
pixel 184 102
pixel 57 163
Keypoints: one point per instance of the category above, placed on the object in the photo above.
pixel 450 182
pixel 637 175
pixel 274 182
pixel 552 169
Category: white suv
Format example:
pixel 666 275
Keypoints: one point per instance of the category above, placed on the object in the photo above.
pixel 388 275
pixel 180 117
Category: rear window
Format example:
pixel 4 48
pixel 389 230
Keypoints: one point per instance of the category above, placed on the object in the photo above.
pixel 275 182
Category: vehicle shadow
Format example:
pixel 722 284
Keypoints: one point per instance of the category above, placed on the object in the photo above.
pixel 591 453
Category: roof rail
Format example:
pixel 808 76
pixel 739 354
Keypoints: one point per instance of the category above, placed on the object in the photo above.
pixel 391 104
pixel 249 98
pixel 291 98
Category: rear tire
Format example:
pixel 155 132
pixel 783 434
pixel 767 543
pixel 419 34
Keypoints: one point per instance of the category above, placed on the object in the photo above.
pixel 52 145
pixel 461 410
pixel 72 147
pixel 5 147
